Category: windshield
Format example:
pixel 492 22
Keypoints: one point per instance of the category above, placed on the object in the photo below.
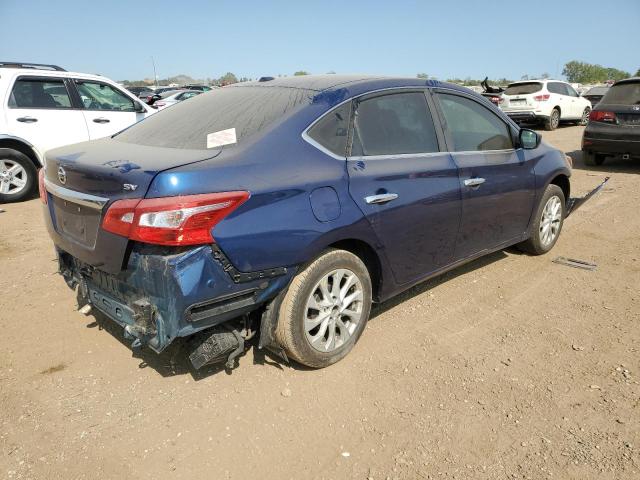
pixel 523 88
pixel 597 91
pixel 247 109
pixel 627 93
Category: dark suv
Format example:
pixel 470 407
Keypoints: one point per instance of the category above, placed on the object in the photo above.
pixel 614 124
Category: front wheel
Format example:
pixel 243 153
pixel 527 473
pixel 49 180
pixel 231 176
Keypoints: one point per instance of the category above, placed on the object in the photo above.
pixel 325 309
pixel 548 222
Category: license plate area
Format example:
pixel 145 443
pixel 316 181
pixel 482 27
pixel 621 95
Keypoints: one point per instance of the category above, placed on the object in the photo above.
pixel 75 221
pixel 629 119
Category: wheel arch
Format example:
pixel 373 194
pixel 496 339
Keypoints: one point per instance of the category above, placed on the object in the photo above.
pixel 23 147
pixel 562 181
pixel 369 257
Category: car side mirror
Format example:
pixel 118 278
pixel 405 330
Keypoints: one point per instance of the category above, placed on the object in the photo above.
pixel 139 108
pixel 529 139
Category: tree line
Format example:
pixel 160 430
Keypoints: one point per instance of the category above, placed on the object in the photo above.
pixel 583 72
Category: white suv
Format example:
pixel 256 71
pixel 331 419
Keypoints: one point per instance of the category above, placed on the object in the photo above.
pixel 44 107
pixel 546 101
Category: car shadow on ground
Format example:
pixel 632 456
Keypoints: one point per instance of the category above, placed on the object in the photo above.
pixel 174 359
pixel 380 308
pixel 610 165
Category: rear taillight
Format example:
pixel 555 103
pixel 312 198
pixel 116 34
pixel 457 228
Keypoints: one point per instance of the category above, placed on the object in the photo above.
pixel 542 98
pixel 601 116
pixel 184 220
pixel 41 187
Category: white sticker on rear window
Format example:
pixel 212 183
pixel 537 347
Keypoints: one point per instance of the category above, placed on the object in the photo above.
pixel 223 137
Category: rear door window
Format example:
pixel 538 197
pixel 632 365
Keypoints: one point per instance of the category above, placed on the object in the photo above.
pixel 100 96
pixel 392 124
pixel 523 88
pixel 29 92
pixel 472 127
pixel 627 93
pixel 331 130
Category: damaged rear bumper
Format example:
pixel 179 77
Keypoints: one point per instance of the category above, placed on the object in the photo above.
pixel 161 296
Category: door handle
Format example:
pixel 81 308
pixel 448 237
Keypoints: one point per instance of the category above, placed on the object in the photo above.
pixel 101 120
pixel 473 182
pixel 380 199
pixel 27 119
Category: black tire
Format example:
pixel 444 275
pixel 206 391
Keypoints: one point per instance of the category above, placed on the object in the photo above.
pixel 290 330
pixel 553 121
pixel 535 245
pixel 592 159
pixel 28 173
pixel 585 117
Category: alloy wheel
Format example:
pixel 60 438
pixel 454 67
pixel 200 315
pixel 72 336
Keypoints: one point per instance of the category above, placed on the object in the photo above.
pixel 555 119
pixel 585 116
pixel 13 177
pixel 334 309
pixel 551 220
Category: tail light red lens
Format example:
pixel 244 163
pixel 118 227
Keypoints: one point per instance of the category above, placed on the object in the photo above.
pixel 542 98
pixel 175 221
pixel 41 187
pixel 601 116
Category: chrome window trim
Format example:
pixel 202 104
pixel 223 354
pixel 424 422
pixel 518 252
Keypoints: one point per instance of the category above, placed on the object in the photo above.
pixel 488 152
pixel 323 149
pixel 90 201
pixel 308 139
pixel 312 142
pixel 398 155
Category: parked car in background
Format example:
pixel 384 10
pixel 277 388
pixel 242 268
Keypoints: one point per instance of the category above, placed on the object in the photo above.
pixel 614 124
pixel 141 92
pixel 199 88
pixel 172 97
pixel 545 101
pixel 288 206
pixel 595 94
pixel 43 107
pixel 493 94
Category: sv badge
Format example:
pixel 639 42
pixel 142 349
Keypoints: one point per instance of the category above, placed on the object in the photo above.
pixel 130 187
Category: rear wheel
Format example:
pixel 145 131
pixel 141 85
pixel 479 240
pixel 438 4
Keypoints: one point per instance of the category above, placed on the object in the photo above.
pixel 585 117
pixel 592 159
pixel 325 309
pixel 548 222
pixel 17 175
pixel 553 121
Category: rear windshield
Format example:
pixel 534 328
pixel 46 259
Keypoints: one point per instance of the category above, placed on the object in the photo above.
pixel 597 91
pixel 523 88
pixel 186 125
pixel 627 93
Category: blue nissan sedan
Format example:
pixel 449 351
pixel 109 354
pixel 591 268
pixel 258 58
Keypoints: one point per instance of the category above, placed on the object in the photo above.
pixel 285 207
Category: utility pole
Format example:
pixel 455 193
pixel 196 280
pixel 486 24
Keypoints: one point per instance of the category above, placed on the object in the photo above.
pixel 155 75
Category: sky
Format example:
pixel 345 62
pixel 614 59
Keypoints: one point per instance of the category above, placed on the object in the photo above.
pixel 447 39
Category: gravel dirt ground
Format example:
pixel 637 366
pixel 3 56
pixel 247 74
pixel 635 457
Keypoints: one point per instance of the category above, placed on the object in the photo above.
pixel 509 367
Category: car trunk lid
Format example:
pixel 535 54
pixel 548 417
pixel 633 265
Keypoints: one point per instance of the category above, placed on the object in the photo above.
pixel 82 180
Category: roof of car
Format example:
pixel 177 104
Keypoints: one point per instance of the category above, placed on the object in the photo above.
pixel 632 79
pixel 538 80
pixel 319 83
pixel 50 73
